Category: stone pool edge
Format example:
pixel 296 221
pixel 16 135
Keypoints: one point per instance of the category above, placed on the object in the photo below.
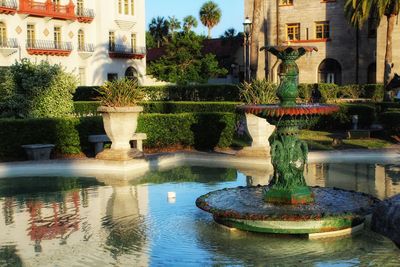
pixel 127 170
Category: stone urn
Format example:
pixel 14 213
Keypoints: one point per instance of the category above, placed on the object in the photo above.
pixel 259 130
pixel 120 124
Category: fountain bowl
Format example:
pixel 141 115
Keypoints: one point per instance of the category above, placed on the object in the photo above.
pixel 334 210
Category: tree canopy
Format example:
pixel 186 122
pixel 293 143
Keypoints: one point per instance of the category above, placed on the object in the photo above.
pixel 184 62
pixel 210 15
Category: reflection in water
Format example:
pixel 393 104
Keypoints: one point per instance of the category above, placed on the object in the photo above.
pixel 48 221
pixel 381 181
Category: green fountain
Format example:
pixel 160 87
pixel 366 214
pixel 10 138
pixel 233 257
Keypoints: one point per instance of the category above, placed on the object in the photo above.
pixel 287 205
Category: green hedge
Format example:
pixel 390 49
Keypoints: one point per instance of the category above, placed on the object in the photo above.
pixel 341 120
pixel 200 130
pixel 391 121
pixel 86 93
pixel 332 91
pixel 84 108
pixel 385 106
pixel 204 92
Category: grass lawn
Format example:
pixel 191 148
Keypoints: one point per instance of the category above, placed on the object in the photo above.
pixel 318 140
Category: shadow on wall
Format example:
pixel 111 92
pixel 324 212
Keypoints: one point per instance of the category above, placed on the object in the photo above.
pixel 110 68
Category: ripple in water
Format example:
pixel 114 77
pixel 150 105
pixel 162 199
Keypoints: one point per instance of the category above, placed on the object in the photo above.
pixel 86 224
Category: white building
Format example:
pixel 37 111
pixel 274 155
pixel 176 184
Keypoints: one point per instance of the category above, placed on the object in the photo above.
pixel 97 40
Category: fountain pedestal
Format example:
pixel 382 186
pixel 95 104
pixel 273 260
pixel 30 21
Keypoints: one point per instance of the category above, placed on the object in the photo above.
pixel 287 205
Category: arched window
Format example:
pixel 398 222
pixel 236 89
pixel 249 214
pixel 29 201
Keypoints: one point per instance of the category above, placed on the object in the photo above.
pixel 81 40
pixel 330 71
pixel 371 75
pixel 131 73
pixel 3 34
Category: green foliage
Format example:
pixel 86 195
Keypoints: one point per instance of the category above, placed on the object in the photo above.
pixel 386 106
pixel 305 90
pixel 189 22
pixel 189 174
pixel 198 92
pixel 70 135
pixel 353 91
pixel 89 108
pixel 190 107
pixel 328 91
pixel 158 29
pixel 210 15
pixel 40 90
pixel 7 84
pixel 184 63
pixel 150 41
pixel 258 92
pixel 374 91
pixel 202 130
pixel 341 120
pixel 120 93
pixel 86 93
pixel 391 121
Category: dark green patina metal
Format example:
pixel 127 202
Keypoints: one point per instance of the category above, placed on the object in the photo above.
pixel 288 152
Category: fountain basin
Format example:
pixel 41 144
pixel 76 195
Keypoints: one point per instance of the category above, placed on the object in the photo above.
pixel 244 208
pixel 271 111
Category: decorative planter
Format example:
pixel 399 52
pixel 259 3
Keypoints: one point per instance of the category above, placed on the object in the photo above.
pixel 120 124
pixel 259 130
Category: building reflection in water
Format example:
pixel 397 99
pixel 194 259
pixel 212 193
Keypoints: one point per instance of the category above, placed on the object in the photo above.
pixel 108 220
pixel 381 181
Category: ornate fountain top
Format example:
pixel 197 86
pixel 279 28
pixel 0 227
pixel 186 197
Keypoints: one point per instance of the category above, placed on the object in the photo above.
pixel 286 52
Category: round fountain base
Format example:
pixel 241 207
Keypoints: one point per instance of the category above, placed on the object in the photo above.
pixel 244 208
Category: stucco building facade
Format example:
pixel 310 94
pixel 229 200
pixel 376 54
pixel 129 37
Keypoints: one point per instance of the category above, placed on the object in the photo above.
pixel 97 40
pixel 322 23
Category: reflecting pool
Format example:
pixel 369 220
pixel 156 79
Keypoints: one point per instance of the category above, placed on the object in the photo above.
pixel 76 221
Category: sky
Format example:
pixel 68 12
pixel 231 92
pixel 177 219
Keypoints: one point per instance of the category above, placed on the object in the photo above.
pixel 232 13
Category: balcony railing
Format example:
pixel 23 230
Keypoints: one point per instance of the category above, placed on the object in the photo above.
pixel 8 43
pixel 8 7
pixel 47 9
pixel 8 46
pixel 42 47
pixel 122 51
pixel 85 15
pixel 88 48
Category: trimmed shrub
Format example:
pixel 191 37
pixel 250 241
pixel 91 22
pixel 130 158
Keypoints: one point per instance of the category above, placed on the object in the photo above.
pixel 385 106
pixel 85 108
pixel 374 91
pixel 204 92
pixel 353 91
pixel 341 120
pixel 202 130
pixel 41 90
pixel 328 91
pixel 87 93
pixel 70 135
pixel 391 121
pixel 305 90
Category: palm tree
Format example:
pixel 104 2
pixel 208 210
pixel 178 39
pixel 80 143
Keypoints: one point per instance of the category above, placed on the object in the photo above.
pixel 189 22
pixel 359 11
pixel 255 31
pixel 174 24
pixel 159 28
pixel 210 15
pixel 229 33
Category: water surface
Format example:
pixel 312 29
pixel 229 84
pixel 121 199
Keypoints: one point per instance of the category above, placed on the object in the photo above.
pixel 75 221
